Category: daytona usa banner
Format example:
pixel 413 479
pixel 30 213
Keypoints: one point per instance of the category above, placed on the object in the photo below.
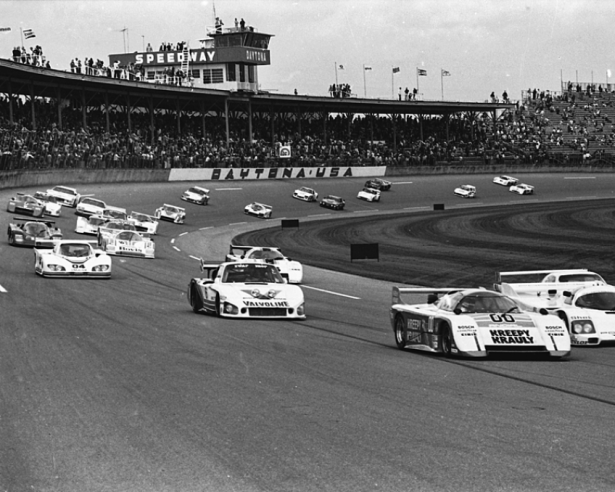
pixel 244 174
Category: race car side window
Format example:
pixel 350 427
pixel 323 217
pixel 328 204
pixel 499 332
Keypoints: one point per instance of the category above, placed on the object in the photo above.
pixel 549 278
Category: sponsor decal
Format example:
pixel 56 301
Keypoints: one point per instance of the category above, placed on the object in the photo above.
pixel 554 328
pixel 511 336
pixel 466 327
pixel 270 304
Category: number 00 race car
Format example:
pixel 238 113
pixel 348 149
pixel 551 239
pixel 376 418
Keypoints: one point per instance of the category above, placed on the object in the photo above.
pixel 72 258
pixel 246 289
pixel 474 323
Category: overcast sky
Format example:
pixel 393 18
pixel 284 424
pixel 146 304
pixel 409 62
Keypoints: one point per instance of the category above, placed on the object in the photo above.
pixel 486 45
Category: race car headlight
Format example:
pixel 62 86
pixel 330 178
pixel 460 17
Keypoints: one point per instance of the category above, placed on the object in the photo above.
pixel 255 293
pixel 56 268
pixel 271 294
pixel 230 308
pixel 18 238
pixel 301 310
pixel 583 327
pixel 101 268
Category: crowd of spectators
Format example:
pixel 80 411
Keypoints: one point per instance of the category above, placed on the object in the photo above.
pixel 340 90
pixel 34 56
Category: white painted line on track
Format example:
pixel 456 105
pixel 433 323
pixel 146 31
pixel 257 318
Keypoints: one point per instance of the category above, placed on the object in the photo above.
pixel 579 177
pixel 183 234
pixel 176 248
pixel 319 215
pixel 525 201
pixel 205 228
pixel 361 211
pixel 417 208
pixel 3 290
pixel 173 241
pixel 330 292
pixel 402 182
pixel 237 223
pixel 194 258
pixel 228 189
pixel 582 197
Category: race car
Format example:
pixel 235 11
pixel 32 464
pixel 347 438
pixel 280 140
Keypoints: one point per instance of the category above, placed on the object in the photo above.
pixel 290 269
pixel 33 232
pixel 72 258
pixel 52 206
pixel 258 210
pixel 333 202
pixel 522 189
pixel 90 206
pixel 171 213
pixel 369 194
pixel 306 194
pixel 25 204
pixel 246 289
pixel 65 195
pixel 143 222
pixel 115 213
pixel 90 225
pixel 196 194
pixel 466 191
pixel 127 243
pixel 378 184
pixel 505 180
pixel 105 231
pixel 474 323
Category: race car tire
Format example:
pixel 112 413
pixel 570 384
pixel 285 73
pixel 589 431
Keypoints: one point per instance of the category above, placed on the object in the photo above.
pixel 400 332
pixel 195 301
pixel 12 239
pixel 218 307
pixel 446 341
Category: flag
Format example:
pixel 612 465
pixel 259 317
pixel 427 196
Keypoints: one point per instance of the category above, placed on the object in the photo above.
pixel 445 73
pixel 395 69
pixel 420 71
pixel 5 29
pixel 341 67
pixel 366 67
pixel 28 33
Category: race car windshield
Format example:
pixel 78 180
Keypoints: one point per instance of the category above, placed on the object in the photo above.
pixel 266 255
pixel 60 189
pixel 602 301
pixel 252 273
pixel 75 250
pixel 197 191
pixel 480 303
pixel 36 229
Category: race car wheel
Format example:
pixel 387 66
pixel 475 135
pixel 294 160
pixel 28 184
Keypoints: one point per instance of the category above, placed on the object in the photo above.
pixel 400 333
pixel 11 239
pixel 195 301
pixel 218 307
pixel 446 341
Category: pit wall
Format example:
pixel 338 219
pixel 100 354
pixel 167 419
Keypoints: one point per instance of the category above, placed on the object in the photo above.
pixel 43 178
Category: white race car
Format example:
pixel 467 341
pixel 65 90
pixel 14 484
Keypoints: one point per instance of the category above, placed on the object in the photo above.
pixel 369 194
pixel 246 289
pixel 171 213
pixel 466 191
pixel 72 258
pixel 52 205
pixel 90 206
pixel 112 227
pixel 115 213
pixel 90 225
pixel 65 195
pixel 143 222
pixel 474 323
pixel 505 180
pixel 196 194
pixel 128 243
pixel 522 189
pixel 291 270
pixel 306 194
pixel 258 210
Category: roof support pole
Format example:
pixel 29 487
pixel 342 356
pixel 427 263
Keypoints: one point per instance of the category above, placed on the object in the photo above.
pixel 59 102
pixel 226 122
pixel 10 102
pixel 107 124
pixel 128 112
pixel 325 117
pixel 84 113
pixel 32 105
pixel 178 116
pixel 272 121
pixel 394 121
pixel 250 136
pixel 299 118
pixel 202 105
pixel 152 126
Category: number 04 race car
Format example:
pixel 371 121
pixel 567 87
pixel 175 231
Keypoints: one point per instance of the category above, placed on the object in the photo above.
pixel 474 323
pixel 72 258
pixel 246 289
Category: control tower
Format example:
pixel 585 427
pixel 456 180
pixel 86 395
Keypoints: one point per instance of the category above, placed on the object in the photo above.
pixel 227 59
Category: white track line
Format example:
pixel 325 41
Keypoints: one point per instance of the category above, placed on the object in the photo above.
pixel 330 292
pixel 579 177
pixel 183 234
pixel 176 248
pixel 3 290
pixel 228 189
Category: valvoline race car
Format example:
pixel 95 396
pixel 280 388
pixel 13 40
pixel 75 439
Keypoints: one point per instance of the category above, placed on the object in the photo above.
pixel 582 299
pixel 522 189
pixel 90 206
pixel 196 194
pixel 33 232
pixel 306 194
pixel 52 206
pixel 72 258
pixel 171 213
pixel 246 289
pixel 291 270
pixel 505 180
pixel 128 243
pixel 90 225
pixel 258 210
pixel 143 222
pixel 378 184
pixel 466 191
pixel 369 195
pixel 333 202
pixel 474 323
pixel 25 204
pixel 65 195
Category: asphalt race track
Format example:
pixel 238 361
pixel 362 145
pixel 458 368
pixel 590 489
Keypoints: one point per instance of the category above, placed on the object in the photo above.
pixel 116 385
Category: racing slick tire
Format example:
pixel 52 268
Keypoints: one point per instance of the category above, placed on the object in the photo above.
pixel 218 307
pixel 12 239
pixel 195 301
pixel 446 341
pixel 400 332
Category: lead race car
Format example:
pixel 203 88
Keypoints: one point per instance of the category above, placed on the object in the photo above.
pixel 245 289
pixel 72 258
pixel 65 195
pixel 582 299
pixel 290 269
pixel 171 213
pixel 505 180
pixel 474 323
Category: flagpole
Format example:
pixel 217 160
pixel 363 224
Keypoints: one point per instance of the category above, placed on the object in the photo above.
pixel 364 84
pixel 418 90
pixel 442 82
pixel 21 31
pixel 335 72
pixel 392 83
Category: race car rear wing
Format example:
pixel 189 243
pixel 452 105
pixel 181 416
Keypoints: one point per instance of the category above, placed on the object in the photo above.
pixel 530 283
pixel 30 219
pixel 433 293
pixel 238 250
